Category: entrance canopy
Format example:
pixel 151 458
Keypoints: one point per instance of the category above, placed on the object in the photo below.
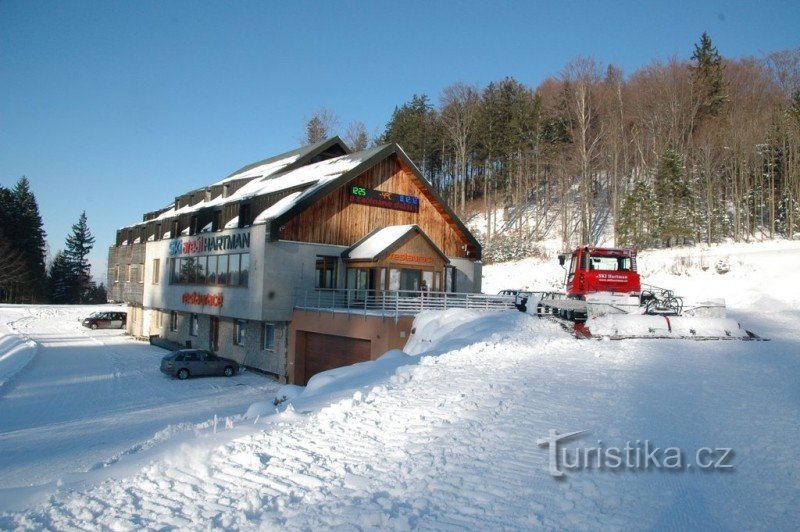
pixel 397 244
pixel 399 257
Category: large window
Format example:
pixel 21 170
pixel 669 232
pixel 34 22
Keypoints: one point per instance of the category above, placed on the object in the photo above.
pixel 268 337
pixel 194 324
pixel 239 328
pixel 325 272
pixel 219 270
pixel 173 321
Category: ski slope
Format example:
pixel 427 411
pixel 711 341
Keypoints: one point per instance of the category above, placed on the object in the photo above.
pixel 444 435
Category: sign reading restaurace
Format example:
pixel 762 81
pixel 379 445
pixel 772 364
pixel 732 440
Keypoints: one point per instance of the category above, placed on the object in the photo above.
pixel 205 244
pixel 386 200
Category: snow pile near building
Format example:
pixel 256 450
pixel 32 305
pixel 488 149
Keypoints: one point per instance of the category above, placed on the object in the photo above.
pixel 16 351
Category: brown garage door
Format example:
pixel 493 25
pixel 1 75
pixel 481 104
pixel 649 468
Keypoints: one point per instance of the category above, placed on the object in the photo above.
pixel 325 351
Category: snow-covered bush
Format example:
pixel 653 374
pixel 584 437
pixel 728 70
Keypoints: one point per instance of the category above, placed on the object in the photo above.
pixel 722 266
pixel 507 247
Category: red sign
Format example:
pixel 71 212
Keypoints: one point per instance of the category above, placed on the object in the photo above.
pixel 408 257
pixel 206 300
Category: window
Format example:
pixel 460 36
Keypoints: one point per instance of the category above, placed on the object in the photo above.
pixel 194 324
pixel 326 272
pixel 244 269
pixel 116 273
pixel 128 273
pixel 141 273
pixel 238 332
pixel 160 319
pixel 244 215
pixel 173 321
pixel 232 270
pixel 156 270
pixel 268 337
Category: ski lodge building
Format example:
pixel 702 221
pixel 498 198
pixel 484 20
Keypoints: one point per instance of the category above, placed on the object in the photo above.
pixel 309 260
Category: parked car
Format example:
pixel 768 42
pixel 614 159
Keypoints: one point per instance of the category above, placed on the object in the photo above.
pixel 106 320
pixel 185 363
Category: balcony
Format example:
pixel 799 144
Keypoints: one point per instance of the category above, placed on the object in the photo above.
pixel 395 302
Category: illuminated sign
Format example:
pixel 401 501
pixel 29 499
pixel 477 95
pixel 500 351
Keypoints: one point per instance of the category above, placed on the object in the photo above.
pixel 205 300
pixel 386 200
pixel 205 244
pixel 408 257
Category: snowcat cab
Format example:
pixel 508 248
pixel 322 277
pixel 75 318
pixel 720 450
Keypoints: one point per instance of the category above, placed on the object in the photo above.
pixel 601 270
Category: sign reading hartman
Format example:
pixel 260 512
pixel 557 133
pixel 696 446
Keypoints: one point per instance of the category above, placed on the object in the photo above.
pixel 206 244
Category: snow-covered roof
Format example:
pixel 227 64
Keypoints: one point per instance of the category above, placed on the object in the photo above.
pixel 279 163
pixel 374 244
pixel 262 170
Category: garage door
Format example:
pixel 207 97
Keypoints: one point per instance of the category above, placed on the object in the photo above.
pixel 325 351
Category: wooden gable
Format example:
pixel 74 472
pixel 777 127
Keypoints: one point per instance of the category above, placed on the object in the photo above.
pixel 336 219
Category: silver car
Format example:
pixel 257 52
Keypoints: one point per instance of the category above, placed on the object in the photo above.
pixel 186 363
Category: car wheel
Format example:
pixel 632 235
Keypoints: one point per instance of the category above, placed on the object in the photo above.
pixel 228 371
pixel 94 326
pixel 183 374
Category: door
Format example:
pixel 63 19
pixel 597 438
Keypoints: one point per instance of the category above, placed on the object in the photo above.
pixel 325 351
pixel 213 334
pixel 116 320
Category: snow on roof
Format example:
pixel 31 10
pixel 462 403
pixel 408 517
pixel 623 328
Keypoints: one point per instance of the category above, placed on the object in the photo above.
pixel 232 223
pixel 372 246
pixel 281 206
pixel 314 176
pixel 263 170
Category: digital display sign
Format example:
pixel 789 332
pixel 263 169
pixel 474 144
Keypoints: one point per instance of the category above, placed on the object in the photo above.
pixel 387 200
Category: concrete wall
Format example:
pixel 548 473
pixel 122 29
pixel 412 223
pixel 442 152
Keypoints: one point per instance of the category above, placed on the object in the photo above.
pixel 468 275
pixel 238 302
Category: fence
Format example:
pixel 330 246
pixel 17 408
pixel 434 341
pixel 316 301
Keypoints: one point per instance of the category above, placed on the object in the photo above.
pixel 396 302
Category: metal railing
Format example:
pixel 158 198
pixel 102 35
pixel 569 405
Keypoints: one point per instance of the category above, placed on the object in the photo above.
pixel 395 302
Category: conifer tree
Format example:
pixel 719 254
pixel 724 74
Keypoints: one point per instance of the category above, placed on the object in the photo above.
pixel 637 217
pixel 708 79
pixel 24 236
pixel 61 280
pixel 674 210
pixel 78 246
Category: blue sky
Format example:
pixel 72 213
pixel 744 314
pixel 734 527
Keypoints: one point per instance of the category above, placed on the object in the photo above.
pixel 116 107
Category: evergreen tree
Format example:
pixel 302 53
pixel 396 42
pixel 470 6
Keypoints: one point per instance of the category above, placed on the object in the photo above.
pixel 637 217
pixel 708 79
pixel 62 282
pixel 97 294
pixel 674 209
pixel 78 246
pixel 414 127
pixel 24 235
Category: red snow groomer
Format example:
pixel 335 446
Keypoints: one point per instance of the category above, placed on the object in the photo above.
pixel 606 299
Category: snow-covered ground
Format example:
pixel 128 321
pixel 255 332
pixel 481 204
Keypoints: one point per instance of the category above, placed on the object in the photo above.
pixel 73 400
pixel 444 435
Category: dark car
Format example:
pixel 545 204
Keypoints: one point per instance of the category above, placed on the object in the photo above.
pixel 106 320
pixel 186 363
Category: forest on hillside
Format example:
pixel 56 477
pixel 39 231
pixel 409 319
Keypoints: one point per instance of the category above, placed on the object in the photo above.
pixel 688 150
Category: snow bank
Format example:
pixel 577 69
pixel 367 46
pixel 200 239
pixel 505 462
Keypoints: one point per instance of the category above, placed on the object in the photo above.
pixel 16 352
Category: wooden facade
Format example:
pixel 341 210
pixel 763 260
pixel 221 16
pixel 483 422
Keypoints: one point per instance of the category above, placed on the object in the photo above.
pixel 335 220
